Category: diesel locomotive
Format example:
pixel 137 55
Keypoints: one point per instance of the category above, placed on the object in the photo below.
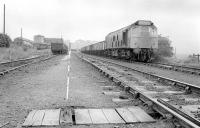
pixel 137 42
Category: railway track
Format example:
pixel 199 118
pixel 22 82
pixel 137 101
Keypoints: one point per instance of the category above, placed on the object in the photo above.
pixel 7 67
pixel 180 68
pixel 171 98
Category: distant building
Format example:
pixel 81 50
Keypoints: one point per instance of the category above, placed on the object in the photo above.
pixel 39 39
pixel 40 42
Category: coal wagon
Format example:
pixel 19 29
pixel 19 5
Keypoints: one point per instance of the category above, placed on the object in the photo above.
pixel 58 47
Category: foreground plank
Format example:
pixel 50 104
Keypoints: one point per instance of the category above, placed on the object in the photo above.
pixel 127 115
pixel 38 118
pixel 98 116
pixel 51 117
pixel 82 116
pixel 112 116
pixel 29 119
pixel 141 114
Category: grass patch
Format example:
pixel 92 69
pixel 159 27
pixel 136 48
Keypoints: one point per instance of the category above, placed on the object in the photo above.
pixel 16 52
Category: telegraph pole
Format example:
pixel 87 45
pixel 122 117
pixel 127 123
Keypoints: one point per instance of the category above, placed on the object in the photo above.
pixel 4 19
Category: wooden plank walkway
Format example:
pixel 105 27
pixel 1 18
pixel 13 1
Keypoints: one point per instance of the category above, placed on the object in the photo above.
pixel 42 118
pixel 28 121
pixel 82 116
pixel 140 114
pixel 111 115
pixel 127 115
pixel 97 116
pixel 51 117
pixel 38 117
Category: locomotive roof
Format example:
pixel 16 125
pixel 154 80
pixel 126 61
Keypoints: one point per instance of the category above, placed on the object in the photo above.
pixel 137 23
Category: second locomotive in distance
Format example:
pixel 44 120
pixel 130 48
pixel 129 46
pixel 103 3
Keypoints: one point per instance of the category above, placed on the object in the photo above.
pixel 138 42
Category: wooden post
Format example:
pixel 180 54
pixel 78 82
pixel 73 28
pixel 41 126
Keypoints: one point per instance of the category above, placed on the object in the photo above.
pixel 198 56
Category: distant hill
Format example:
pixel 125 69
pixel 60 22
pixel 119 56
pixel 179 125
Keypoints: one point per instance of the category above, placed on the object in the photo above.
pixel 78 44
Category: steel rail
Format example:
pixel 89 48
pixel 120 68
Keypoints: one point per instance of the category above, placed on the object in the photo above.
pixel 8 62
pixel 181 68
pixel 194 88
pixel 23 65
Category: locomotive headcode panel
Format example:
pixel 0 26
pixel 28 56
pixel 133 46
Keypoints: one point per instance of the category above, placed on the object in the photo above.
pixel 143 22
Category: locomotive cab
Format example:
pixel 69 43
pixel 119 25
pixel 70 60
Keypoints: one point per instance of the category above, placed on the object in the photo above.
pixel 144 40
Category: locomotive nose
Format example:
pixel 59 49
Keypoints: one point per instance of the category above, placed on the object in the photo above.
pixel 146 42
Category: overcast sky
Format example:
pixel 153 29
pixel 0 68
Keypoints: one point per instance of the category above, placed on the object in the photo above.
pixel 93 19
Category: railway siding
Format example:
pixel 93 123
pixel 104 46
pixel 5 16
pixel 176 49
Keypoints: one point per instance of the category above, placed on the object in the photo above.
pixel 179 76
pixel 180 68
pixel 7 67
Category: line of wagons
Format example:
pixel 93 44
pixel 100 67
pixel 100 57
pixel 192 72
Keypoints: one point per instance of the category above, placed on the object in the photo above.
pixel 59 47
pixel 137 42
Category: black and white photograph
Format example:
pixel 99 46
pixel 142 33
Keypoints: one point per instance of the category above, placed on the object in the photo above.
pixel 99 64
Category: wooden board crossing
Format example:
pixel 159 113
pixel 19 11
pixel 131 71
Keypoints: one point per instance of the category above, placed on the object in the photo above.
pixel 111 115
pixel 42 118
pixel 127 115
pixel 51 117
pixel 28 120
pixel 134 114
pixel 82 116
pixel 140 114
pixel 38 117
pixel 97 116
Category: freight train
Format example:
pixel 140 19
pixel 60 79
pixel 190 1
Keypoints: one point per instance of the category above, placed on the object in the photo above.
pixel 59 48
pixel 137 42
